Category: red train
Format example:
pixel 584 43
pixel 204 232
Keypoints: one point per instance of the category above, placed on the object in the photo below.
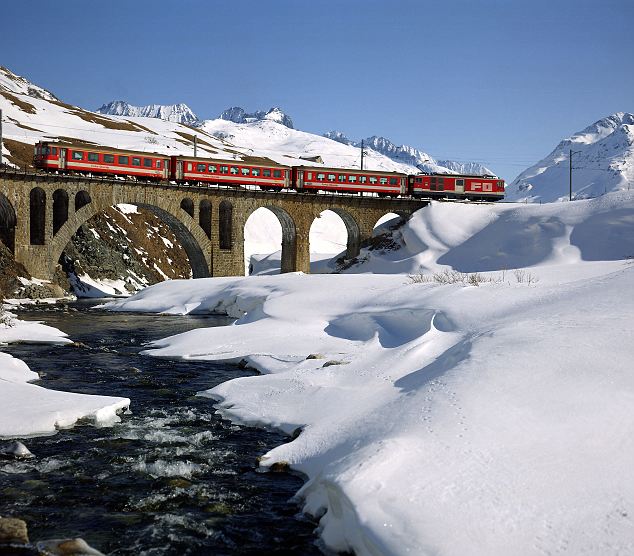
pixel 66 157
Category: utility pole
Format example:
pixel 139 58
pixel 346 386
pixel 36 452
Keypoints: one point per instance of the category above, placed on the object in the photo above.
pixel 0 136
pixel 362 153
pixel 570 173
pixel 195 144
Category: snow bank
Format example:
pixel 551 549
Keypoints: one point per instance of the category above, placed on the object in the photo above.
pixel 30 410
pixel 452 419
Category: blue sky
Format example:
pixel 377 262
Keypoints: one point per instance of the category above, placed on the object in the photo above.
pixel 500 82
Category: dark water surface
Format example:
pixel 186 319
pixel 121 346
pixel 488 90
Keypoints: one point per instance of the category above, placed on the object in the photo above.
pixel 172 478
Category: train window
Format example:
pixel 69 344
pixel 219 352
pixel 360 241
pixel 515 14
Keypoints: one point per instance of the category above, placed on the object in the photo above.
pixel 200 167
pixel 123 160
pixel 147 162
pixel 136 161
pixel 441 184
pixel 352 179
pixel 418 180
pixel 341 178
pixel 158 163
pixel 211 168
pixel 189 166
pixel 224 169
pixel 459 183
pixel 54 152
pixel 383 180
pixel 93 157
pixel 277 173
pixel 309 175
pixel 393 181
pixel 255 171
pixel 266 173
pixel 363 179
pixel 78 155
pixel 331 177
pixel 321 177
pixel 373 179
pixel 108 158
pixel 234 170
pixel 245 171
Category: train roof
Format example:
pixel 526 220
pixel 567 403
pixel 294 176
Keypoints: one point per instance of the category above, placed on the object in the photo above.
pixel 99 148
pixel 486 176
pixel 225 161
pixel 352 171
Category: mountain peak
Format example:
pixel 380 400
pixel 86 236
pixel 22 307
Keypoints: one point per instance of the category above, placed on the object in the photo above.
pixel 238 115
pixel 178 113
pixel 16 84
pixel 603 160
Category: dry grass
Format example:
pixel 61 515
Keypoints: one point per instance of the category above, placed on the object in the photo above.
pixel 522 276
pixel 21 104
pixel 21 154
pixel 93 118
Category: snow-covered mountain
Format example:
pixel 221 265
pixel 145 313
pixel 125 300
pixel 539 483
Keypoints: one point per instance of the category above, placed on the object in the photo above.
pixel 411 156
pixel 178 113
pixel 238 115
pixel 10 83
pixel 602 161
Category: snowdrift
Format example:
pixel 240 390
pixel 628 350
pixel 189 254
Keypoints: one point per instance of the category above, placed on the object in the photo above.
pixel 478 417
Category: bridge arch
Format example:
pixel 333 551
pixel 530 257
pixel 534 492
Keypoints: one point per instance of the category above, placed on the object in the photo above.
pixel 60 209
pixel 82 198
pixel 189 234
pixel 37 216
pixel 389 221
pixel 7 223
pixel 204 216
pixel 188 206
pixel 289 236
pixel 354 232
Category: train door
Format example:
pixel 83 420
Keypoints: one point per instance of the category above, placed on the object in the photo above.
pixel 166 168
pixel 403 186
pixel 287 180
pixel 179 169
pixel 61 163
pixel 300 179
pixel 459 185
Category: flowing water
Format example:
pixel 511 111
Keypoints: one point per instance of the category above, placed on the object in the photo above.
pixel 172 478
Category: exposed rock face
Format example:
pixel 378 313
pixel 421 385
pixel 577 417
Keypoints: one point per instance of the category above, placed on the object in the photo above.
pixel 137 247
pixel 239 116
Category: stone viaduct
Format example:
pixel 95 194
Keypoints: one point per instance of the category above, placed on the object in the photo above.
pixel 39 214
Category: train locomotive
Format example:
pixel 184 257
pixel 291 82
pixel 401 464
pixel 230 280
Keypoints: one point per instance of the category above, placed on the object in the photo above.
pixel 185 170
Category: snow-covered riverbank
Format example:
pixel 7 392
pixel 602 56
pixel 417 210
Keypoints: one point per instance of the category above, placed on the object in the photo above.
pixel 27 409
pixel 491 415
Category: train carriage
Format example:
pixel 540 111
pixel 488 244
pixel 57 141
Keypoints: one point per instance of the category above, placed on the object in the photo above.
pixel 76 157
pixel 230 172
pixel 457 186
pixel 311 178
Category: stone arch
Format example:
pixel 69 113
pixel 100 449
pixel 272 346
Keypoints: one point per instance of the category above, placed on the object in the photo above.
pixel 354 232
pixel 330 226
pixel 225 224
pixel 60 209
pixel 188 206
pixel 82 198
pixel 390 220
pixel 7 223
pixel 189 235
pixel 204 216
pixel 288 261
pixel 37 216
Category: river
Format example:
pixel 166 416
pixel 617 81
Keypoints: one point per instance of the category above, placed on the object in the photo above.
pixel 172 478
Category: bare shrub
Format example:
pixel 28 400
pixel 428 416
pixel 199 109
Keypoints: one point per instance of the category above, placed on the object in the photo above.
pixel 470 279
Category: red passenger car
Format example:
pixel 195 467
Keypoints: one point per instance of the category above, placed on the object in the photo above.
pixel 65 157
pixel 311 178
pixel 454 186
pixel 229 172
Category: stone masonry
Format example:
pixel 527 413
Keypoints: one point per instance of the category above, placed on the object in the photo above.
pixel 67 202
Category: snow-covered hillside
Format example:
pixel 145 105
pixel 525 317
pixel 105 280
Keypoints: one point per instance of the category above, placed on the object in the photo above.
pixel 410 155
pixel 482 407
pixel 179 113
pixel 602 161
